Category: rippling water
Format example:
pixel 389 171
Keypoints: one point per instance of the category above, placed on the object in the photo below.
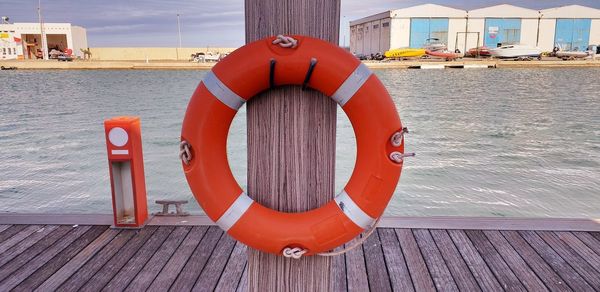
pixel 503 142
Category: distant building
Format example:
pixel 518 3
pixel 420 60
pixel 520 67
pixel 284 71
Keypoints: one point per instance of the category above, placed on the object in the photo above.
pixel 571 27
pixel 23 40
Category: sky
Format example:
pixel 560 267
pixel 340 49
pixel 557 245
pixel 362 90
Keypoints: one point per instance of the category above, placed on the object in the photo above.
pixel 213 23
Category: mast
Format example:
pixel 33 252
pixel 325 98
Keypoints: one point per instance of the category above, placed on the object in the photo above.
pixel 42 32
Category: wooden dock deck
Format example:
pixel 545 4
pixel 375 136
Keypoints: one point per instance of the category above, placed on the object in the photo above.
pixel 406 254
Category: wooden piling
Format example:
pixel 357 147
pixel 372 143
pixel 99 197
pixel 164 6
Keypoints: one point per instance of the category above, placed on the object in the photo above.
pixel 291 142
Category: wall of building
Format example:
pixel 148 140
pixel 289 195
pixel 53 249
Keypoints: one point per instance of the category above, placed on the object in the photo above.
pixel 476 25
pixel 529 31
pixel 595 32
pixel 547 31
pixel 456 25
pixel 141 54
pixel 79 36
pixel 400 31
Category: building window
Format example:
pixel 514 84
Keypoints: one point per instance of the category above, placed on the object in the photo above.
pixel 502 31
pixel 385 24
pixel 424 30
pixel 375 26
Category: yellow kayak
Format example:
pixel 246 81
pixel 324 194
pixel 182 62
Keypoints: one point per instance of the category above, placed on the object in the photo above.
pixel 405 53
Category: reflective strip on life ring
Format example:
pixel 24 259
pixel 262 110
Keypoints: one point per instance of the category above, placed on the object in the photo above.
pixel 352 84
pixel 235 211
pixel 247 72
pixel 222 92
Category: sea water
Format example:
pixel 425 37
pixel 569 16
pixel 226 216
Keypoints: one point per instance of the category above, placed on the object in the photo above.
pixel 489 142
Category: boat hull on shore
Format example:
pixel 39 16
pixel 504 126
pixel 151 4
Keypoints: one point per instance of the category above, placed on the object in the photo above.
pixel 405 53
pixel 571 54
pixel 443 54
pixel 515 51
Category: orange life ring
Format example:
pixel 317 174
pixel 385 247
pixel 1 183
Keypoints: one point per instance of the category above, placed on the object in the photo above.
pixel 331 70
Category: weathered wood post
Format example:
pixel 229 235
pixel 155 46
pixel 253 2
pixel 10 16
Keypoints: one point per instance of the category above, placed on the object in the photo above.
pixel 291 142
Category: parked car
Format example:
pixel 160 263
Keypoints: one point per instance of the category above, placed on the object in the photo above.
pixel 208 57
pixel 64 58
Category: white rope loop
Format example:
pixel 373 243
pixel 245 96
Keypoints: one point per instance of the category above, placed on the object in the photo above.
pixel 285 41
pixel 398 137
pixel 184 152
pixel 296 252
pixel 398 157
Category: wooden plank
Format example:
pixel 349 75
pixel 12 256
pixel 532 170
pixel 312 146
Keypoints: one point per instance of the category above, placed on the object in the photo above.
pixel 122 279
pixel 501 270
pixel 482 273
pixel 4 227
pixel 52 283
pixel 231 277
pixel 57 219
pixel 50 267
pixel 589 240
pixel 168 274
pixel 95 263
pixel 594 234
pixel 10 266
pixel 377 273
pixel 442 278
pixel 25 244
pixel 114 265
pixel 9 232
pixel 214 268
pixel 396 265
pixel 432 222
pixel 192 269
pixel 491 223
pixel 146 276
pixel 18 237
pixel 28 263
pixel 458 268
pixel 568 254
pixel 356 271
pixel 338 282
pixel 580 248
pixel 192 220
pixel 243 286
pixel 527 276
pixel 550 278
pixel 562 268
pixel 291 141
pixel 414 260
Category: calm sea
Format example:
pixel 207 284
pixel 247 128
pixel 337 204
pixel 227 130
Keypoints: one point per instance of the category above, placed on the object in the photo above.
pixel 501 142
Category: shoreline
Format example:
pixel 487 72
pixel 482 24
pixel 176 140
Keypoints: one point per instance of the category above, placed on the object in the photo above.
pixel 184 65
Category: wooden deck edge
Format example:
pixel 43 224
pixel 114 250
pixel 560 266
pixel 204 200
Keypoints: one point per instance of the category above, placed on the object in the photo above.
pixel 493 223
pixel 438 222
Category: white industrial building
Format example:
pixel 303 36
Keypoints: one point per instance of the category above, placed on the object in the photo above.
pixel 23 40
pixel 572 27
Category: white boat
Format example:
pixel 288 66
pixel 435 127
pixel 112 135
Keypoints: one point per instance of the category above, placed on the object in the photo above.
pixel 515 51
pixel 434 44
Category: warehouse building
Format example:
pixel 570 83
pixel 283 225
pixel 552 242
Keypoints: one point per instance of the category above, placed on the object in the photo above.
pixel 571 26
pixel 24 41
pixel 408 27
pixel 501 24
